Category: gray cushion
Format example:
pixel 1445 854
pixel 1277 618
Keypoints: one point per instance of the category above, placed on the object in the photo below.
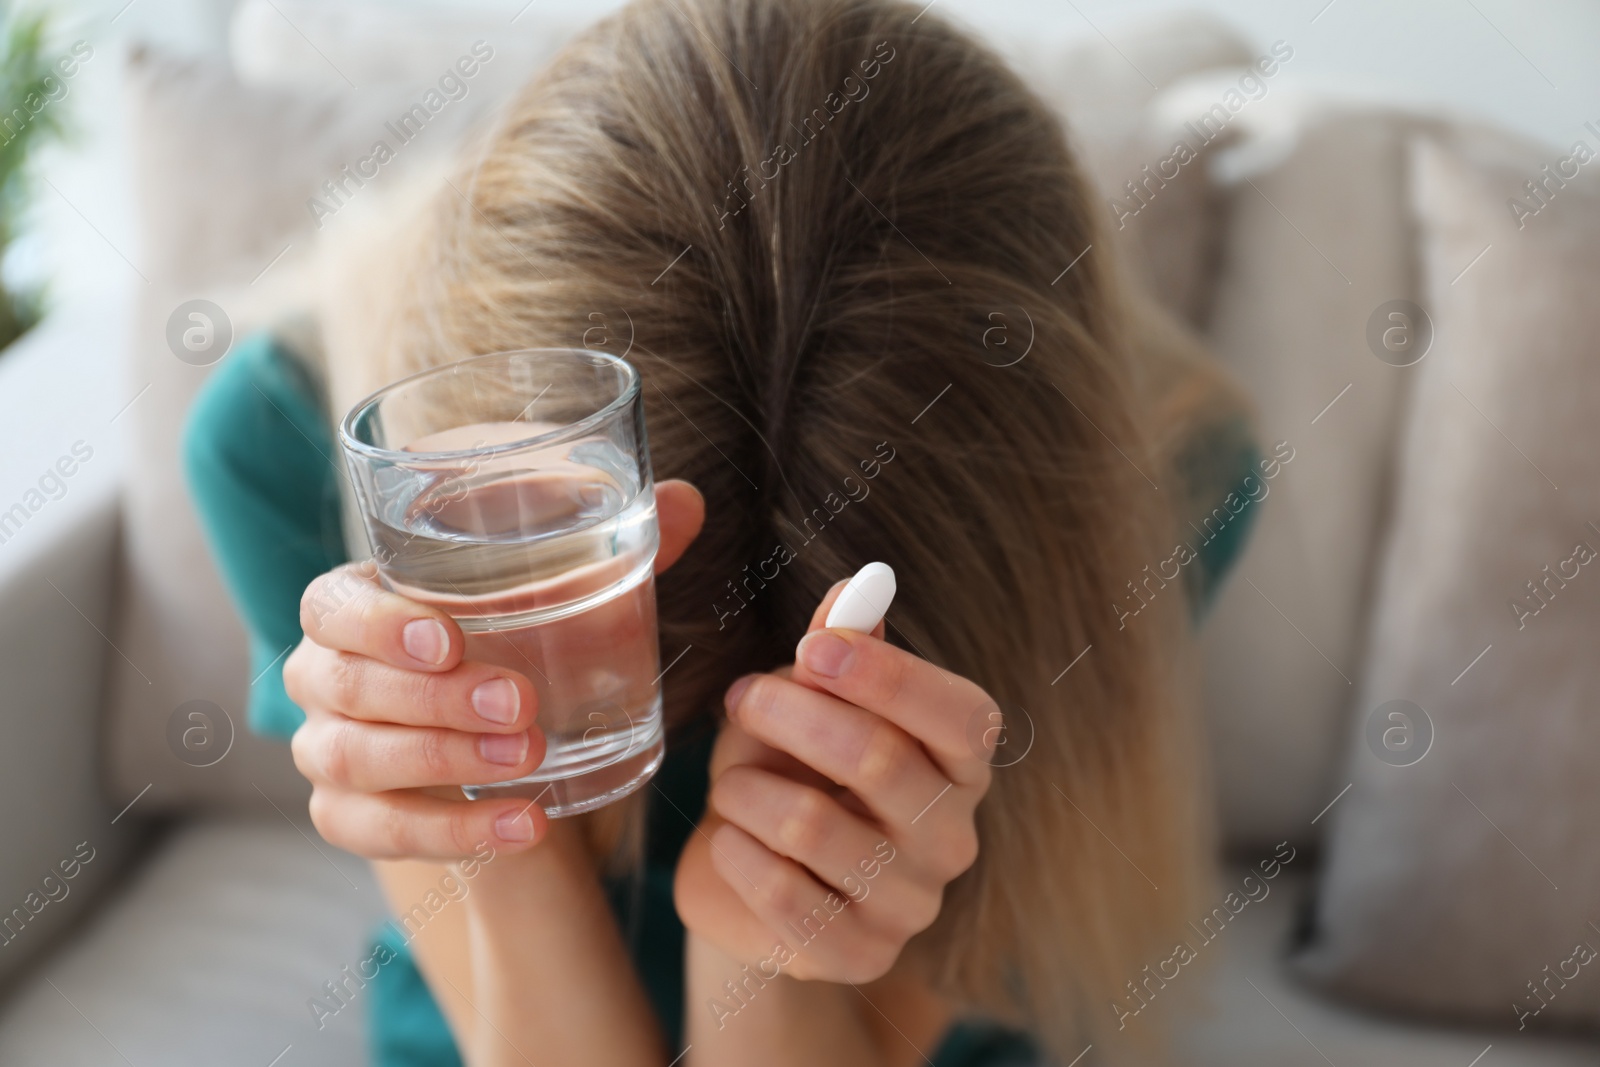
pixel 1441 889
pixel 1282 646
pixel 208 956
pixel 1257 1016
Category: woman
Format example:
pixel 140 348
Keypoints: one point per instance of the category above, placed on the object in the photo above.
pixel 831 235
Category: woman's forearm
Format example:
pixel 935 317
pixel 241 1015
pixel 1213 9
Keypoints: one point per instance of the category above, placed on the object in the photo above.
pixel 736 1015
pixel 439 944
pixel 551 978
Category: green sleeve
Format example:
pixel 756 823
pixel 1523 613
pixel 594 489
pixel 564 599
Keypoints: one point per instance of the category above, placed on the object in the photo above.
pixel 405 1026
pixel 979 1043
pixel 260 458
pixel 1222 492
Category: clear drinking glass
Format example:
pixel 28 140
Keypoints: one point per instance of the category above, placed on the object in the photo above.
pixel 514 492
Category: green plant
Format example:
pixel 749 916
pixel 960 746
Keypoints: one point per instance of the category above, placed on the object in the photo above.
pixel 29 115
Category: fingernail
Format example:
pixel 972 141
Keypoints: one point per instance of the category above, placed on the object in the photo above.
pixel 508 750
pixel 497 700
pixel 730 702
pixel 825 653
pixel 425 639
pixel 514 826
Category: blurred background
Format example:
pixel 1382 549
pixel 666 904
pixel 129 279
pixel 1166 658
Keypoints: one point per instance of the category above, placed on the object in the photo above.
pixel 1528 68
pixel 1442 468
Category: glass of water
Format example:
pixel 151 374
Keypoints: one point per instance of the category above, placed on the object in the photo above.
pixel 513 491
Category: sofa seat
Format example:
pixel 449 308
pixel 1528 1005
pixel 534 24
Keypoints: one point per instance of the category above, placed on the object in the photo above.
pixel 1252 1013
pixel 211 953
pixel 207 956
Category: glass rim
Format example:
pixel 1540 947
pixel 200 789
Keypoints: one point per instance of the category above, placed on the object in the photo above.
pixel 353 444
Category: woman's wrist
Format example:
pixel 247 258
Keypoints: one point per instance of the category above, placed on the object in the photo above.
pixel 556 872
pixel 741 1013
pixel 738 1013
pixel 552 979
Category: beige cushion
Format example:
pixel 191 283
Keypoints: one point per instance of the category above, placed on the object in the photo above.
pixel 1441 891
pixel 209 955
pixel 213 221
pixel 377 43
pixel 1318 238
pixel 1252 1012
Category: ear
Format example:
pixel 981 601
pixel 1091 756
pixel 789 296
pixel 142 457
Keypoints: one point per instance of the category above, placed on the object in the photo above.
pixel 680 512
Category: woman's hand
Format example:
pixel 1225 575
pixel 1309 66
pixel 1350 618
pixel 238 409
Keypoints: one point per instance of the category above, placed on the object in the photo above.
pixel 396 719
pixel 391 710
pixel 842 803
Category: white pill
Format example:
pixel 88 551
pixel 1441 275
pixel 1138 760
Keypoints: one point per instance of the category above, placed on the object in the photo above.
pixel 864 600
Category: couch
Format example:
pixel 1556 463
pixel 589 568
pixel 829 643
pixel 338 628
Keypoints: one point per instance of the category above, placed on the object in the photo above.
pixel 203 912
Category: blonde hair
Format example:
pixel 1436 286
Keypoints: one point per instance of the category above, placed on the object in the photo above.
pixel 800 312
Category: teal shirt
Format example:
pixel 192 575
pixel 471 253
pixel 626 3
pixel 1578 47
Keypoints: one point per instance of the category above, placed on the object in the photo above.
pixel 264 469
pixel 260 460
